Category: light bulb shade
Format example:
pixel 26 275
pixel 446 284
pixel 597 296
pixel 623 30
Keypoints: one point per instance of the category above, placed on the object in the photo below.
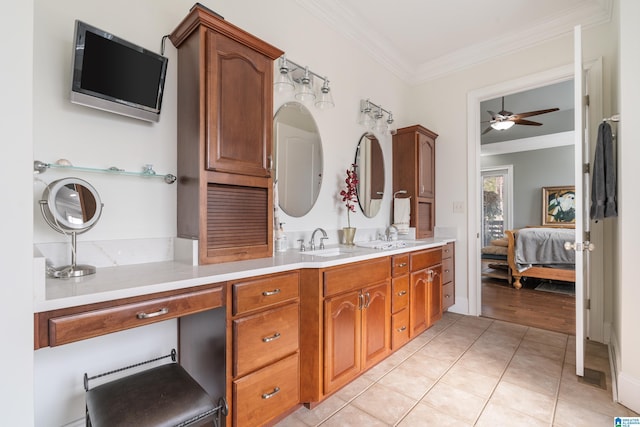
pixel 283 83
pixel 325 100
pixel 503 125
pixel 305 92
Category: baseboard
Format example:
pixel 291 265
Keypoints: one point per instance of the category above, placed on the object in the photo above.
pixel 460 307
pixel 76 423
pixel 629 391
pixel 613 365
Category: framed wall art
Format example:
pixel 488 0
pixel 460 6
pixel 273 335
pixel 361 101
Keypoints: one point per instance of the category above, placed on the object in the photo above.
pixel 559 206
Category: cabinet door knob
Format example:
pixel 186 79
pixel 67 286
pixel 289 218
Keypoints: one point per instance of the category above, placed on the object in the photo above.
pixel 402 329
pixel 368 300
pixel 272 337
pixel 269 293
pixel 275 391
pixel 401 293
pixel 402 264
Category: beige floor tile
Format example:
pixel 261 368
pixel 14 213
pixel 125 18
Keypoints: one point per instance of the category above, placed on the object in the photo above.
pixel 499 339
pixel 443 351
pixel 476 361
pixel 523 400
pixel 426 366
pixel 354 388
pixel 475 322
pixel 570 415
pixel 588 396
pixel 539 364
pixel 293 421
pixel 532 348
pixel 499 415
pixel 497 352
pixel 546 337
pixel 470 381
pixel 379 370
pixel 424 415
pixel 313 417
pixel 384 403
pixel 532 380
pixel 403 379
pixel 455 402
pixel 506 328
pixel 350 416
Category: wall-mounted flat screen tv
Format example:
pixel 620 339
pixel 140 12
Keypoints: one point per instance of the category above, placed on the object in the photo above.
pixel 112 74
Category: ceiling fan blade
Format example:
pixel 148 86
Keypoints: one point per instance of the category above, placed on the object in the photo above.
pixel 533 113
pixel 487 130
pixel 526 122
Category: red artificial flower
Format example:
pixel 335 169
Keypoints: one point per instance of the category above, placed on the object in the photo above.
pixel 349 194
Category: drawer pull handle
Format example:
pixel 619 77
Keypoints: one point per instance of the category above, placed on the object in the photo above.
pixel 272 337
pixel 402 329
pixel 275 391
pixel 160 312
pixel 402 264
pixel 269 293
pixel 401 293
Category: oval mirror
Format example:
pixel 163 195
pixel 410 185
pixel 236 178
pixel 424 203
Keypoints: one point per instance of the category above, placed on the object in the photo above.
pixel 298 155
pixel 370 162
pixel 71 206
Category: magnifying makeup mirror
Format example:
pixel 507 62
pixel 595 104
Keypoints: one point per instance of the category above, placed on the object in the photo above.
pixel 71 206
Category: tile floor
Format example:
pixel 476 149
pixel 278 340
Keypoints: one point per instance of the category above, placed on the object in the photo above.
pixel 469 371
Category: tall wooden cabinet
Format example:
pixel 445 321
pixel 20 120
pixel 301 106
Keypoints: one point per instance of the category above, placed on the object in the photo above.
pixel 414 154
pixel 225 115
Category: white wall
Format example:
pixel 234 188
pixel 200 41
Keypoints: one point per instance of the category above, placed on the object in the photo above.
pixel 627 289
pixel 16 292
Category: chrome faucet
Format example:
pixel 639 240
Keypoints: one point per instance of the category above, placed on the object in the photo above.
pixel 391 234
pixel 312 242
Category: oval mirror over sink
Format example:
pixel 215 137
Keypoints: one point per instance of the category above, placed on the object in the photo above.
pixel 370 162
pixel 298 158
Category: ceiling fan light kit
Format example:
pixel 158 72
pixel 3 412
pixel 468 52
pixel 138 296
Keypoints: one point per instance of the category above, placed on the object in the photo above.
pixel 504 120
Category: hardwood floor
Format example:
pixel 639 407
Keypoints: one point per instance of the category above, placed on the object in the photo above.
pixel 545 310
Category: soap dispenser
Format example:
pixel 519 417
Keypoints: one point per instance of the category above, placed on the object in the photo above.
pixel 281 239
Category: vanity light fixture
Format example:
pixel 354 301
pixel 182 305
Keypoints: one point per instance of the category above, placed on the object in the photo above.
pixel 372 116
pixel 296 78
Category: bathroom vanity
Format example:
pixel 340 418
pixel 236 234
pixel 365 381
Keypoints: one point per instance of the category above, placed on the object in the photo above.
pixel 274 331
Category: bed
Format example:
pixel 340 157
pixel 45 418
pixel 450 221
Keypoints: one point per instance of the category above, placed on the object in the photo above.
pixel 539 252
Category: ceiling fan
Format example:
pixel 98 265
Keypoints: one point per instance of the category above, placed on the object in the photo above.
pixel 505 119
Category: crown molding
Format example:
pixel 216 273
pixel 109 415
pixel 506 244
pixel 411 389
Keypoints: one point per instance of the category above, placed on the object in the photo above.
pixel 344 21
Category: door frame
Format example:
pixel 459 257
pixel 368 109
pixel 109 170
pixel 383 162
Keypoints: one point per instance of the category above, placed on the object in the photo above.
pixel 474 200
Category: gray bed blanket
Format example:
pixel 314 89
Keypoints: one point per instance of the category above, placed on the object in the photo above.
pixel 544 246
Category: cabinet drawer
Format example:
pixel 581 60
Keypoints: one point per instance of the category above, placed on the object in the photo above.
pixel 399 293
pixel 399 265
pixel 424 259
pixel 356 276
pixel 447 270
pixel 80 326
pixel 264 292
pixel 448 295
pixel 399 329
pixel 447 250
pixel 267 393
pixel 264 337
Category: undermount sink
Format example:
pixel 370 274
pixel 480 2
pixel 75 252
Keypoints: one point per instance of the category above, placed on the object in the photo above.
pixel 382 244
pixel 328 252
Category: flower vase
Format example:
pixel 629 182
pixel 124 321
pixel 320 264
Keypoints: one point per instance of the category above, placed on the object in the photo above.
pixel 349 233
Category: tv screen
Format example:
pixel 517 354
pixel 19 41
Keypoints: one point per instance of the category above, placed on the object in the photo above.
pixel 112 74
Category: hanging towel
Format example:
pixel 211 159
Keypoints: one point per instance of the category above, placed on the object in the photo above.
pixel 402 214
pixel 603 187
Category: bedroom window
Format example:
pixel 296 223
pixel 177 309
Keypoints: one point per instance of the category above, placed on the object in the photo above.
pixel 497 199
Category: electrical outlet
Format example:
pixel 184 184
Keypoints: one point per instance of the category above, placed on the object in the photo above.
pixel 458 207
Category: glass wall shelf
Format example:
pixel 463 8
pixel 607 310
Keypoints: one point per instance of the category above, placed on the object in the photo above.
pixel 147 170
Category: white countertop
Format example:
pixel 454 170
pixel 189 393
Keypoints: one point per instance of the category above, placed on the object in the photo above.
pixel 113 283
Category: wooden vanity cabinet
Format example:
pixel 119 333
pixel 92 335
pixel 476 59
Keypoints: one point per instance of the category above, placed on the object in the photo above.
pixel 400 283
pixel 347 324
pixel 425 290
pixel 263 348
pixel 225 115
pixel 414 153
pixel 448 276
